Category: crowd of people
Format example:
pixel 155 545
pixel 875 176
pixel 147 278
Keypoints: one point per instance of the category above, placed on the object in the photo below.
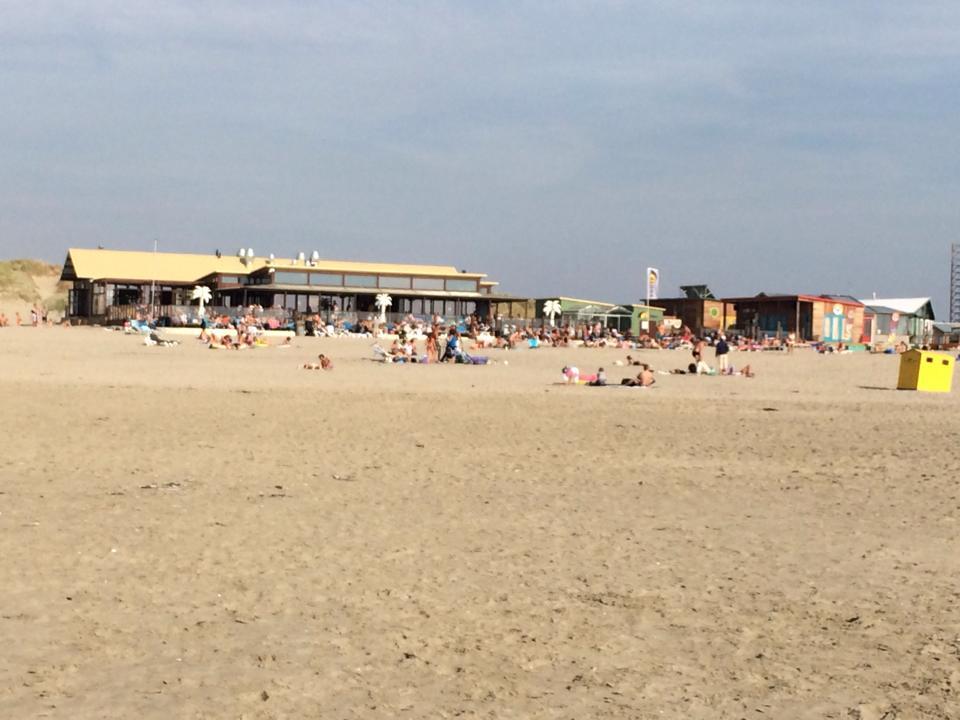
pixel 645 377
pixel 439 346
pixel 38 316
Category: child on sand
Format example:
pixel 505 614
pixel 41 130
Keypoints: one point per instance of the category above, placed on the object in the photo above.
pixel 324 363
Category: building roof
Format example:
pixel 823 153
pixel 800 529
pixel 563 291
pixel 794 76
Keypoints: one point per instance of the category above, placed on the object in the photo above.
pixel 842 298
pixel 185 268
pixel 697 292
pixel 762 297
pixel 907 306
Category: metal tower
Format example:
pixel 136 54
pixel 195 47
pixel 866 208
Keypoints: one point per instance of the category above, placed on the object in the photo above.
pixel 955 282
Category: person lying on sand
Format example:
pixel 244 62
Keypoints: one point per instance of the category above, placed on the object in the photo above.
pixel 572 376
pixel 324 363
pixel 701 368
pixel 745 371
pixel 154 339
pixel 631 361
pixel 600 380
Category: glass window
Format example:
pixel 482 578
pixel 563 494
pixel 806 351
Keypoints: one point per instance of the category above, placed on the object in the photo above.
pixel 326 279
pixel 393 281
pixel 426 283
pixel 462 285
pixel 367 281
pixel 290 278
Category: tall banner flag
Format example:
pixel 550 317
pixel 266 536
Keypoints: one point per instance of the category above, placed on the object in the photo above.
pixel 653 284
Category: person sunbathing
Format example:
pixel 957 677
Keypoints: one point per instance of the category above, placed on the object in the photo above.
pixel 745 371
pixel 572 376
pixel 644 378
pixel 323 363
pixel 600 379
pixel 701 368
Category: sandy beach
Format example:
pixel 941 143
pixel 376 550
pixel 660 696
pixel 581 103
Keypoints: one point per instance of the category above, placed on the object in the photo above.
pixel 196 534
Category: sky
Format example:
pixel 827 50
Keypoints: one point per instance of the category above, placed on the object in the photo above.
pixel 561 147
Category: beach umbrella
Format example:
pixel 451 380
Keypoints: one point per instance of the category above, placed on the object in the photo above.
pixel 203 294
pixel 552 308
pixel 383 301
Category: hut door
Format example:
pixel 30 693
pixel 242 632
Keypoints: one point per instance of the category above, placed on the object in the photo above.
pixel 832 328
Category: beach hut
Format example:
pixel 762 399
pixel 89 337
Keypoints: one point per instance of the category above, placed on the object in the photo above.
pixel 894 320
pixel 646 318
pixel 699 310
pixel 945 335
pixel 817 318
pixel 926 371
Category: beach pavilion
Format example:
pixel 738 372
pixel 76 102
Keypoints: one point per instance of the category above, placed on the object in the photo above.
pixel 116 285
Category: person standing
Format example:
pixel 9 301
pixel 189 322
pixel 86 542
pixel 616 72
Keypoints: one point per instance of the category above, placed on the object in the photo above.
pixel 722 350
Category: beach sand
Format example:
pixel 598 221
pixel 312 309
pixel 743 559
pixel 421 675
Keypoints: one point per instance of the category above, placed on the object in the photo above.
pixel 195 534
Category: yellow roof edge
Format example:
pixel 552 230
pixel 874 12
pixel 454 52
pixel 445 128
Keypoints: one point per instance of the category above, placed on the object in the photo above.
pixel 99 263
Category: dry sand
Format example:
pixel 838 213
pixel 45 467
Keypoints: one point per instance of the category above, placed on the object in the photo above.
pixel 197 534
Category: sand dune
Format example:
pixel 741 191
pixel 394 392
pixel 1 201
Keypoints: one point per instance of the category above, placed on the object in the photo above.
pixel 197 534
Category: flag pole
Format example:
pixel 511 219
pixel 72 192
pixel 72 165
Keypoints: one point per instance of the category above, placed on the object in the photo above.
pixel 153 279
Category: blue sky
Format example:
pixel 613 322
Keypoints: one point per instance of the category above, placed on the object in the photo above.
pixel 559 146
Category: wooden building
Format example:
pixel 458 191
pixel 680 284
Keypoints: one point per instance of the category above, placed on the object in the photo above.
pixel 702 315
pixel 818 318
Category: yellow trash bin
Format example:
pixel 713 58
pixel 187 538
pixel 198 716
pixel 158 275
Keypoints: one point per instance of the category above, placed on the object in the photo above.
pixel 928 371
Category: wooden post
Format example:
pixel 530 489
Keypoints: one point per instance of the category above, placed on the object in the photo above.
pixel 797 326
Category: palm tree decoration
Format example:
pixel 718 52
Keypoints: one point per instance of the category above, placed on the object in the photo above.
pixel 383 301
pixel 203 294
pixel 551 308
